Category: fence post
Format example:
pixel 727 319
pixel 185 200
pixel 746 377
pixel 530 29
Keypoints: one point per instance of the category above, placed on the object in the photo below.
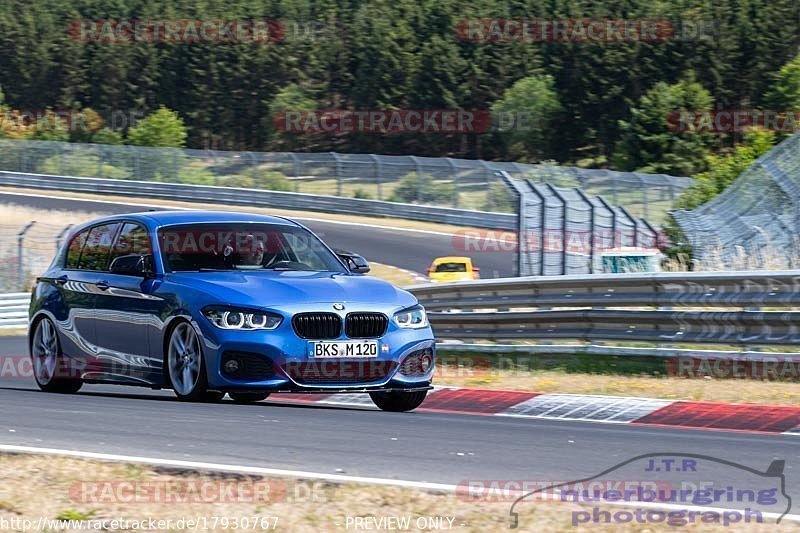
pixel 378 173
pixel 60 236
pixel 100 156
pixel 20 251
pixel 542 223
pixel 489 194
pixel 591 228
pixel 418 167
pixel 61 159
pixel 455 180
pixel 338 173
pixel 645 205
pixel 296 161
pixel 137 163
pixel 613 214
pixel 563 227
pixel 635 225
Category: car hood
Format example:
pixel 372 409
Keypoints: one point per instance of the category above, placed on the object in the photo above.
pixel 276 289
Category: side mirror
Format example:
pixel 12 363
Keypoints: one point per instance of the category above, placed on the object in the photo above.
pixel 132 265
pixel 355 263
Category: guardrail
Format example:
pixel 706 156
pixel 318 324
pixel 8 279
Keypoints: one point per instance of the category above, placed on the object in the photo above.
pixel 722 308
pixel 261 198
pixel 726 308
pixel 14 310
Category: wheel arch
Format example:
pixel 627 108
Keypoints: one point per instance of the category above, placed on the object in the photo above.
pixel 34 322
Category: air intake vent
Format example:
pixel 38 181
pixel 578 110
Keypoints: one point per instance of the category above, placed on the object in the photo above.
pixel 365 325
pixel 246 366
pixel 339 372
pixel 317 325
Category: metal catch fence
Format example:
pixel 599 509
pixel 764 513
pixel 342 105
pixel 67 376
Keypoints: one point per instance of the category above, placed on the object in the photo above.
pixel 446 182
pixel 755 222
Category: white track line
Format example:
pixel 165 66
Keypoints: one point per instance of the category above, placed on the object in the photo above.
pixel 218 467
pixel 92 200
pixel 340 478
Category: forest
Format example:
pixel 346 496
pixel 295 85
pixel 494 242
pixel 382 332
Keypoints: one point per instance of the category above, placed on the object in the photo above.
pixel 593 101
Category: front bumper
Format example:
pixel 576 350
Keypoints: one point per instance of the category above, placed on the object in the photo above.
pixel 286 355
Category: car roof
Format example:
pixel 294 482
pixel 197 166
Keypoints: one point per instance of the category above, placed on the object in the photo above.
pixel 168 218
pixel 452 259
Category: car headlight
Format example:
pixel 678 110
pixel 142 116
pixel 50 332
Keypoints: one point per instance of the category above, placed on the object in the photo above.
pixel 231 318
pixel 412 318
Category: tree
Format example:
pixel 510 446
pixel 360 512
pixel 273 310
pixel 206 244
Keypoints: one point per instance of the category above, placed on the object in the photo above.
pixel 162 128
pixel 785 93
pixel 723 169
pixel 106 136
pixel 650 144
pixel 291 98
pixel 528 106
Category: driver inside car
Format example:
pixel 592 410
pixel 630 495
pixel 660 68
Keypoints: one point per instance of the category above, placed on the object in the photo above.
pixel 251 253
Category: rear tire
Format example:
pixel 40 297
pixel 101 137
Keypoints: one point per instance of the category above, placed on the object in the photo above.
pixel 248 397
pixel 398 402
pixel 49 366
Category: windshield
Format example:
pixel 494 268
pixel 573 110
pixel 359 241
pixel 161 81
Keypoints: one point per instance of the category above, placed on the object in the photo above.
pixel 244 246
pixel 451 267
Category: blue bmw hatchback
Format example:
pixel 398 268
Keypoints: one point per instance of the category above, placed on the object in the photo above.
pixel 209 303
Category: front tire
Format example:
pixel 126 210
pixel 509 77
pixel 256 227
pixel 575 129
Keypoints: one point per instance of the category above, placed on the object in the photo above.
pixel 398 402
pixel 248 397
pixel 186 368
pixel 49 367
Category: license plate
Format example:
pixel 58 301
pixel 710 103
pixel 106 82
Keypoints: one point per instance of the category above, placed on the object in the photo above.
pixel 335 350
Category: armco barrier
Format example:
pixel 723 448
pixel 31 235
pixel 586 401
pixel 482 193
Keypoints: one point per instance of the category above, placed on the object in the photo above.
pixel 261 198
pixel 14 310
pixel 719 308
pixel 726 308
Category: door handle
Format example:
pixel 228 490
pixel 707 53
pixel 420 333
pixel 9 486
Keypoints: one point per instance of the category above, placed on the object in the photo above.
pixel 102 285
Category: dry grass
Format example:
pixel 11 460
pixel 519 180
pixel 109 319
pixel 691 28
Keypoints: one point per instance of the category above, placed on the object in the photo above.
pixel 396 276
pixel 48 487
pixel 721 390
pixel 17 216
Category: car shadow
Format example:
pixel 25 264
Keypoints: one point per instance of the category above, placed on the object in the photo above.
pixel 168 398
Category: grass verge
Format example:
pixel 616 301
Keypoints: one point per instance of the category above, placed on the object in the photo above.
pixel 605 375
pixel 37 487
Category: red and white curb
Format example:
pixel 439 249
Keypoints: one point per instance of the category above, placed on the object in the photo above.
pixel 588 408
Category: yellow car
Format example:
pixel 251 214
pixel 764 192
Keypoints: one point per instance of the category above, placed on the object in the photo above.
pixel 453 269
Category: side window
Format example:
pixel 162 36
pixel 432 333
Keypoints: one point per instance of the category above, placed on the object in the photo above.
pixel 305 249
pixel 74 249
pixel 98 247
pixel 133 239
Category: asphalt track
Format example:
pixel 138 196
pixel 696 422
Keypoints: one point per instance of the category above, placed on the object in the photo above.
pixel 411 250
pixel 431 447
pixel 420 446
